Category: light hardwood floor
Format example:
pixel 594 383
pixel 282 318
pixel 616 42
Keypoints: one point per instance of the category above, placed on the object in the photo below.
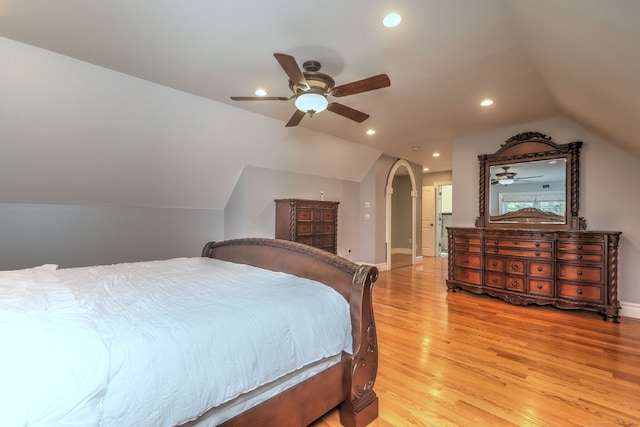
pixel 458 359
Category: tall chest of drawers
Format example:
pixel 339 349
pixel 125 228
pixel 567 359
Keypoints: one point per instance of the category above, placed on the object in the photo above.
pixel 568 269
pixel 312 222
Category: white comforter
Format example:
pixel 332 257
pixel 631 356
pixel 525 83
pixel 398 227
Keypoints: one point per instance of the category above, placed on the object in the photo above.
pixel 154 343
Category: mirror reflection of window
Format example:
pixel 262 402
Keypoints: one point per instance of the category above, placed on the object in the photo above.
pixel 553 201
pixel 534 184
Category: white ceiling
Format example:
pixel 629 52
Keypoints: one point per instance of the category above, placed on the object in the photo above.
pixel 535 58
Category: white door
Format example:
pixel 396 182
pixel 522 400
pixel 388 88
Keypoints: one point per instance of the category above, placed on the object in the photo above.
pixel 428 220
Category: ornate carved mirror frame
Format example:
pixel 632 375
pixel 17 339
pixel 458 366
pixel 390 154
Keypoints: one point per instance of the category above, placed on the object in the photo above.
pixel 524 148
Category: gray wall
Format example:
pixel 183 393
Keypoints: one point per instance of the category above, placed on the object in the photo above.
pixel 74 235
pixel 251 209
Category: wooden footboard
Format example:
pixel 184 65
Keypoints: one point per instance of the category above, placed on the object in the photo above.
pixel 349 384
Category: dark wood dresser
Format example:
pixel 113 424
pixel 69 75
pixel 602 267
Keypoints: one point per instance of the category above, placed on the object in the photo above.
pixel 529 244
pixel 312 222
pixel 568 269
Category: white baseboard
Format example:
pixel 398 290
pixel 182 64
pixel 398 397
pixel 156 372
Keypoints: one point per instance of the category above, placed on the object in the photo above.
pixel 403 251
pixel 630 309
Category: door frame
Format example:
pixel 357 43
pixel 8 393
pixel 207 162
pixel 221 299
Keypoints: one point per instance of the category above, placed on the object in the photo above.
pixel 388 200
pixel 439 184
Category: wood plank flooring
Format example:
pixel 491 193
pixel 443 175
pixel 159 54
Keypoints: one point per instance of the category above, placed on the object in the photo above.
pixel 458 359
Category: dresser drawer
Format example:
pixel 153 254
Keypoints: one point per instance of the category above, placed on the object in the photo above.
pixel 328 228
pixel 515 266
pixel 315 228
pixel 514 283
pixel 306 240
pixel 584 273
pixel 580 246
pixel 323 215
pixel 323 241
pixel 304 228
pixel 525 244
pixel 304 214
pixel 468 248
pixel 540 269
pixel 468 276
pixel 581 292
pixel 530 253
pixel 541 287
pixel 468 260
pixel 495 280
pixel 469 240
pixel 580 256
pixel 494 264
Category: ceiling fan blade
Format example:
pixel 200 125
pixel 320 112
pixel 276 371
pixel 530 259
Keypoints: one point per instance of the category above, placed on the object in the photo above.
pixel 290 66
pixel 259 98
pixel 295 119
pixel 347 112
pixel 364 85
pixel 528 177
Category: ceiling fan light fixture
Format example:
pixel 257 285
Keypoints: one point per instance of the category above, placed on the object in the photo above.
pixel 311 103
pixel 506 180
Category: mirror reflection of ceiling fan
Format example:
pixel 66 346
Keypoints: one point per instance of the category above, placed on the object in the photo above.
pixel 311 87
pixel 508 178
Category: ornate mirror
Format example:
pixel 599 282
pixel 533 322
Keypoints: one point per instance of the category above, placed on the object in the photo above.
pixel 531 182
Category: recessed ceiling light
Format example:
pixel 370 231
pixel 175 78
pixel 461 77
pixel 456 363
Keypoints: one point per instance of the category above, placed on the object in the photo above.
pixel 436 154
pixel 425 169
pixel 416 148
pixel 486 102
pixel 392 20
pixel 260 92
pixel 371 132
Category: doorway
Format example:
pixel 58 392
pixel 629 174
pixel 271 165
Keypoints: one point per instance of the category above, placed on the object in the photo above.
pixel 445 213
pixel 401 216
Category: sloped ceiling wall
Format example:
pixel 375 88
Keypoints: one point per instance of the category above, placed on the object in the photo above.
pixel 76 133
pixel 588 55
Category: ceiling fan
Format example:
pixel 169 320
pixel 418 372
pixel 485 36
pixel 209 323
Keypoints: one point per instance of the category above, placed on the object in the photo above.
pixel 507 178
pixel 311 87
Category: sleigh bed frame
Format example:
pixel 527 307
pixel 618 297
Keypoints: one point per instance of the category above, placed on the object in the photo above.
pixel 349 383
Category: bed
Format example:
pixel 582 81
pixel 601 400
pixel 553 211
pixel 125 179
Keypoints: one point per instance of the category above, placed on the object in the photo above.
pixel 255 332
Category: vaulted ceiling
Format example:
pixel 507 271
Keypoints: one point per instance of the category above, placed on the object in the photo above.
pixel 534 58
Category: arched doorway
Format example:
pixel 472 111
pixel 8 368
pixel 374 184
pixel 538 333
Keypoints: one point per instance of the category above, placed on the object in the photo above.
pixel 400 195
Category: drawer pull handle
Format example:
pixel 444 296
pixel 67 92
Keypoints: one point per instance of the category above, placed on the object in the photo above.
pixel 466 275
pixel 539 286
pixel 539 268
pixel 515 284
pixel 494 280
pixel 516 267
pixel 494 264
pixel 579 292
pixel 579 273
pixel 579 256
pixel 495 242
pixel 537 244
pixel 495 250
pixel 579 246
pixel 537 253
